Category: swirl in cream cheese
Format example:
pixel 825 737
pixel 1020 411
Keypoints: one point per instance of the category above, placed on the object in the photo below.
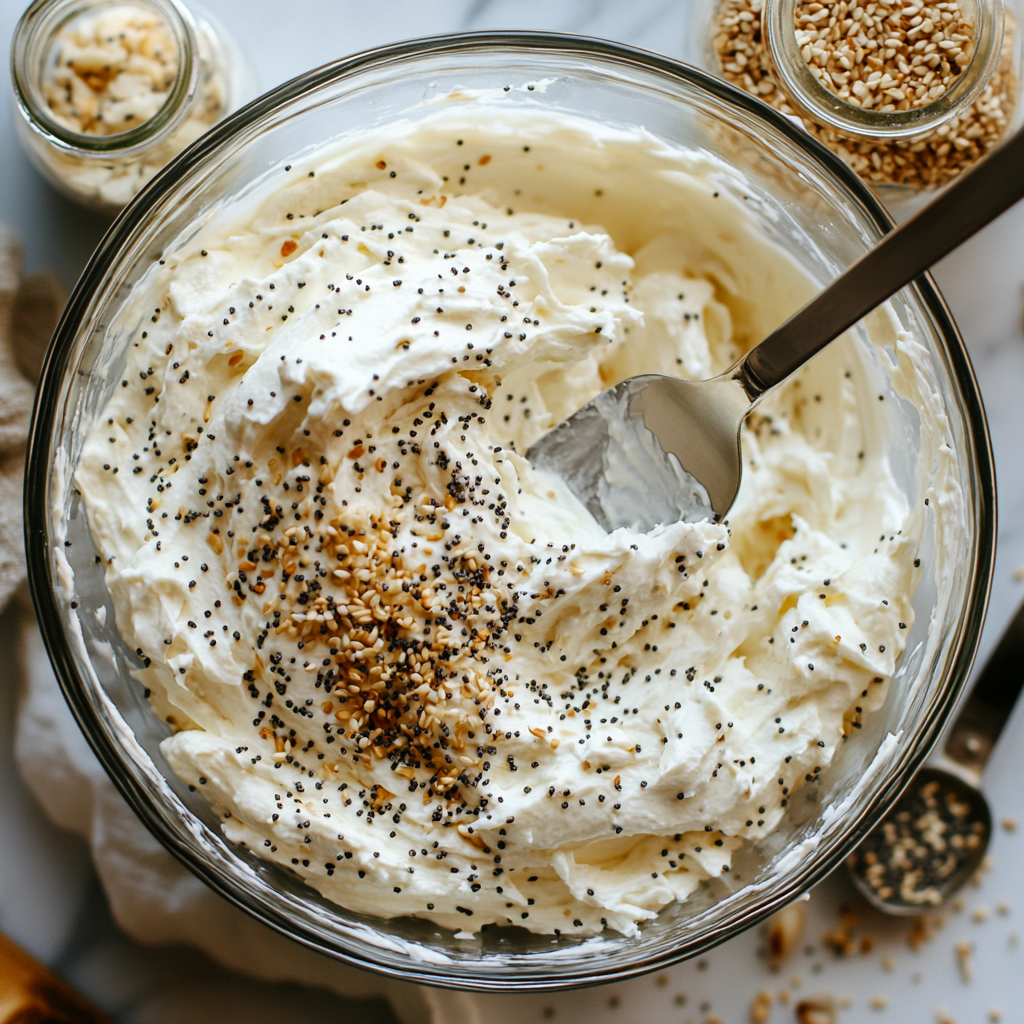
pixel 398 660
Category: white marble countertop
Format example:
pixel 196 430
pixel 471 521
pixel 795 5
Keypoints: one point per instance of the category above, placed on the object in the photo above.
pixel 48 900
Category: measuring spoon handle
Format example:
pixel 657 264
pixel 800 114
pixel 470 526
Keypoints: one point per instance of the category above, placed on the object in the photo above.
pixel 989 704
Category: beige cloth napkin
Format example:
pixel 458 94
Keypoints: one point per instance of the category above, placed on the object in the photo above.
pixel 151 896
pixel 29 307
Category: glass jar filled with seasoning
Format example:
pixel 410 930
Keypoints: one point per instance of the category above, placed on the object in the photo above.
pixel 107 92
pixel 908 93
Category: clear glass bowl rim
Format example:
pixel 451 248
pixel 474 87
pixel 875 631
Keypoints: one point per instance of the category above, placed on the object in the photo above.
pixel 38 540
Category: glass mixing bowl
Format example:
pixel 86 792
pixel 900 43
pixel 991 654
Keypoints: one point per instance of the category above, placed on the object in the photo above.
pixel 803 199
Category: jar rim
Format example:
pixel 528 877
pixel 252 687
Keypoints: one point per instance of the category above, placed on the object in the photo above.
pixel 30 50
pixel 813 100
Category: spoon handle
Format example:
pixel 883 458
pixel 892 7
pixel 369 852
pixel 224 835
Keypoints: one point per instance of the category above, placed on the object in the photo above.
pixel 987 708
pixel 971 202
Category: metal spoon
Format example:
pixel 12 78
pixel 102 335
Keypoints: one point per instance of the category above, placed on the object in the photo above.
pixel 955 780
pixel 657 449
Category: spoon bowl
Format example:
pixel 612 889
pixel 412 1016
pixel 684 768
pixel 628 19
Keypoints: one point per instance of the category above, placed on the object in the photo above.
pixel 941 826
pixel 926 847
pixel 651 450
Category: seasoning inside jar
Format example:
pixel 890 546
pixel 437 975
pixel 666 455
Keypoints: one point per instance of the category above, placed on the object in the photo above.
pixel 113 68
pixel 887 55
pixel 907 95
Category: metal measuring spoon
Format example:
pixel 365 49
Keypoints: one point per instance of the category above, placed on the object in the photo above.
pixel 657 449
pixel 936 835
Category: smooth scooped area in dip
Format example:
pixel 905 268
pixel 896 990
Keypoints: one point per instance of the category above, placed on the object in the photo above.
pixel 399 661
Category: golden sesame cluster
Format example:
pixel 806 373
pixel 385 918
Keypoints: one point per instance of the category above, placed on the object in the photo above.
pixel 391 690
pixel 397 631
pixel 925 163
pixel 885 55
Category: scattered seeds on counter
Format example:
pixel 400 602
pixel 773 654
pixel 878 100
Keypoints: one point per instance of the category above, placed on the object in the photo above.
pixel 841 939
pixel 817 1010
pixel 761 1008
pixel 965 960
pixel 923 929
pixel 785 929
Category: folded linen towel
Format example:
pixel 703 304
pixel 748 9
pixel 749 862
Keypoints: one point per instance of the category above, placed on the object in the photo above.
pixel 28 310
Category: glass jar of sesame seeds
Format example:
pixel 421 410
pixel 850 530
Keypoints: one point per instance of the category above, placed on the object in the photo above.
pixel 108 92
pixel 908 93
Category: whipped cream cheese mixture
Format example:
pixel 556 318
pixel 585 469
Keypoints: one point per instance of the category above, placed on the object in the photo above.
pixel 398 660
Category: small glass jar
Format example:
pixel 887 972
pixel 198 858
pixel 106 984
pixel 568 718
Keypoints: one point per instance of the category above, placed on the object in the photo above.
pixel 902 154
pixel 107 93
pixel 823 106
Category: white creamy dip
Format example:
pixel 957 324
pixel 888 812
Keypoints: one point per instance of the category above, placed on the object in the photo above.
pixel 398 660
